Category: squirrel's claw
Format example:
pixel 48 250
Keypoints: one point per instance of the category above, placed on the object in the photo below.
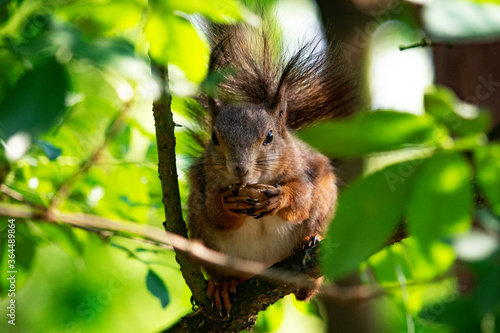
pixel 257 200
pixel 267 207
pixel 219 295
pixel 310 241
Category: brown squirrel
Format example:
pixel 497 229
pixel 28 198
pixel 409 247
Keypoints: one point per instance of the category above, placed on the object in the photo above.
pixel 257 192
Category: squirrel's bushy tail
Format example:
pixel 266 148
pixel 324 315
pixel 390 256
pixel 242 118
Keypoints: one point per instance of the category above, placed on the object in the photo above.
pixel 253 67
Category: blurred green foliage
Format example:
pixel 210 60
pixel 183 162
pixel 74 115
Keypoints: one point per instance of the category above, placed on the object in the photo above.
pixel 77 130
pixel 77 135
pixel 431 191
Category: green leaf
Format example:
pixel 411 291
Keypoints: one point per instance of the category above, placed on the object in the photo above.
pixel 174 40
pixel 488 288
pixel 461 20
pixel 270 320
pixel 51 151
pixel 466 313
pixel 415 264
pixel 460 118
pixel 101 17
pixel 441 203
pixel 223 11
pixel 368 211
pixel 370 132
pixel 461 313
pixel 36 101
pixel 487 163
pixel 157 288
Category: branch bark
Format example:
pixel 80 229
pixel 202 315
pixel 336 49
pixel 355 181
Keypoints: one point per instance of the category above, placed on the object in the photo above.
pixel 174 222
pixel 256 294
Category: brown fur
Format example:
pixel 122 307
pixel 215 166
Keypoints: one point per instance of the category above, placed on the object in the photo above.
pixel 253 200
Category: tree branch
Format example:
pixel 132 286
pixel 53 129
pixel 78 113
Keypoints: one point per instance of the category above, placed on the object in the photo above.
pixel 146 233
pixel 254 295
pixel 174 222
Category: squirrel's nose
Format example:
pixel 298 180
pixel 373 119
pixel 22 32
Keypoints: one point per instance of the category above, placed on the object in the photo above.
pixel 241 171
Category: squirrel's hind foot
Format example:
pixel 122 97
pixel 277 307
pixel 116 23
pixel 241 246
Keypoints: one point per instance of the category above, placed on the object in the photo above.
pixel 307 243
pixel 219 295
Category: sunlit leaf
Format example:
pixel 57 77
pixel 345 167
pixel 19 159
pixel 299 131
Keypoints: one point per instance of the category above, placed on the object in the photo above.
pixel 460 118
pixel 157 287
pixel 223 11
pixel 368 211
pixel 370 132
pixel 126 193
pixel 174 40
pixel 94 17
pixel 36 101
pixel 271 319
pixel 414 261
pixel 441 203
pixel 406 272
pixel 487 162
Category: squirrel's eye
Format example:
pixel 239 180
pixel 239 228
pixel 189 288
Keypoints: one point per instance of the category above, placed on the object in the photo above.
pixel 214 139
pixel 269 138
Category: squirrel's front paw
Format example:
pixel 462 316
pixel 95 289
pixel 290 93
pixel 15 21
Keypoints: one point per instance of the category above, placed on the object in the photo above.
pixel 237 200
pixel 256 200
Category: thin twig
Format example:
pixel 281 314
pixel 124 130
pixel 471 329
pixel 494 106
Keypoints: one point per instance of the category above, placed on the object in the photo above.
pixel 425 42
pixel 156 236
pixel 64 190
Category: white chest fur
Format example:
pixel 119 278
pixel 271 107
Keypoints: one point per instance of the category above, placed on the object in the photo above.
pixel 268 240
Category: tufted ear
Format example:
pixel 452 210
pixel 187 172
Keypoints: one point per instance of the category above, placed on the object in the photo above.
pixel 279 104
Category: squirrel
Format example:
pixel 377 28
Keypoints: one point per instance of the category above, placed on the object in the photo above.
pixel 258 192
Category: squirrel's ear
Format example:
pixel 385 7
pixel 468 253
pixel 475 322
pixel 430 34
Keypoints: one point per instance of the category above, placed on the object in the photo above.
pixel 279 105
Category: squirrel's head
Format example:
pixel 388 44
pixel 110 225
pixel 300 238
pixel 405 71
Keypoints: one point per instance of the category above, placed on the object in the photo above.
pixel 248 142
